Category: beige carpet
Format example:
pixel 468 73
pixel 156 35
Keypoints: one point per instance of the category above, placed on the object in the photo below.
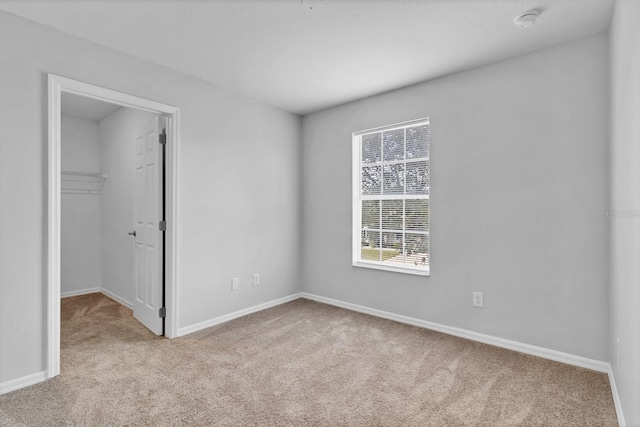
pixel 298 364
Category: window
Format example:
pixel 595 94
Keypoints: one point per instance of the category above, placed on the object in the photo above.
pixel 391 197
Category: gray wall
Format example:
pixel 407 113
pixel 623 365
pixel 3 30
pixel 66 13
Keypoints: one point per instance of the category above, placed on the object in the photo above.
pixel 625 207
pixel 80 212
pixel 519 181
pixel 239 184
pixel 118 162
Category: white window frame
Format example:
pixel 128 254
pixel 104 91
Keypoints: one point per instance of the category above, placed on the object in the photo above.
pixel 357 204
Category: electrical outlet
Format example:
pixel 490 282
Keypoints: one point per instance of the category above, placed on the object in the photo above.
pixel 235 284
pixel 478 300
pixel 256 279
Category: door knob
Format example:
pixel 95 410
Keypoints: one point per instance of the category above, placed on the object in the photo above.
pixel 132 233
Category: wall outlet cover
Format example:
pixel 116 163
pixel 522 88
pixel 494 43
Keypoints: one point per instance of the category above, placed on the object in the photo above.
pixel 478 299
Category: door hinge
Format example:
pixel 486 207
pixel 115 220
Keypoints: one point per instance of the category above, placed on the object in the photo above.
pixel 163 136
pixel 163 312
pixel 162 225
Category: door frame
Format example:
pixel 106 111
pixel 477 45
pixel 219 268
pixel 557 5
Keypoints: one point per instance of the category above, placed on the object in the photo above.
pixel 56 86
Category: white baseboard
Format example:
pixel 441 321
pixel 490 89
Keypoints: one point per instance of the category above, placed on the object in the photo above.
pixel 533 350
pixel 616 398
pixel 80 292
pixel 26 381
pixel 93 291
pixel 117 298
pixel 225 318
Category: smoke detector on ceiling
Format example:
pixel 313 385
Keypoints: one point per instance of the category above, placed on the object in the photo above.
pixel 527 18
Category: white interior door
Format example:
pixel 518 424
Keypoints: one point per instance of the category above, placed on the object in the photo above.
pixel 148 212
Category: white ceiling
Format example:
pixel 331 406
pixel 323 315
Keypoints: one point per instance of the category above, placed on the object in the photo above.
pixel 307 55
pixel 86 108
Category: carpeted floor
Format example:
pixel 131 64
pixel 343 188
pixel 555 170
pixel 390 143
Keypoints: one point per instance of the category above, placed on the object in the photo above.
pixel 298 364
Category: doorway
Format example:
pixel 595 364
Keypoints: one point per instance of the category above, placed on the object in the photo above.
pixel 155 299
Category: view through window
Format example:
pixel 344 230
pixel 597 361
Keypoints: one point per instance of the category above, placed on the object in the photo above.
pixel 391 197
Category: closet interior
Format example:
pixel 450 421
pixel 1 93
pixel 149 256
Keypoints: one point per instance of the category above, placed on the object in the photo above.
pixel 97 163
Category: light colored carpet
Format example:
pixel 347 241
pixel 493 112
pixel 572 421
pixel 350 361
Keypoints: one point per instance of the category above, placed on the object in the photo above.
pixel 299 364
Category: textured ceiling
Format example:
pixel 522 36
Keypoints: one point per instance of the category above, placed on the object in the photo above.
pixel 308 55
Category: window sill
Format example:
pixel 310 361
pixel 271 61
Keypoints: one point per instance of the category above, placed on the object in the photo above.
pixel 395 269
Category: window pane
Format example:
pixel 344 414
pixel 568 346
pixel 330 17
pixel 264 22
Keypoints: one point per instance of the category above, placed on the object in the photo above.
pixel 392 214
pixel 416 215
pixel 392 248
pixel 371 214
pixel 370 249
pixel 416 247
pixel 417 177
pixel 393 145
pixel 371 178
pixel 372 148
pixel 394 179
pixel 417 142
pixel 393 227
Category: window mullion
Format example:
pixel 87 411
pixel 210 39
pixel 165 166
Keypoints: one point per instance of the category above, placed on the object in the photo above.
pixel 394 197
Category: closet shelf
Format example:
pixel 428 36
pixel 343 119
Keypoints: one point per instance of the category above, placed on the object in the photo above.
pixel 82 182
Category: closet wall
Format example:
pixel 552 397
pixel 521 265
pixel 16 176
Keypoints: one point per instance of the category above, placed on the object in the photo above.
pixel 81 211
pixel 97 252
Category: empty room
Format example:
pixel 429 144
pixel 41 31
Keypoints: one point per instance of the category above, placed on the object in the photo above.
pixel 320 212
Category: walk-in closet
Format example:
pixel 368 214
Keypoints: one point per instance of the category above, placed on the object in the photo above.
pixel 97 210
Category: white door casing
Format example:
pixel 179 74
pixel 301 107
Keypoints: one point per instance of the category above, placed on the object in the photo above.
pixel 56 86
pixel 148 213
